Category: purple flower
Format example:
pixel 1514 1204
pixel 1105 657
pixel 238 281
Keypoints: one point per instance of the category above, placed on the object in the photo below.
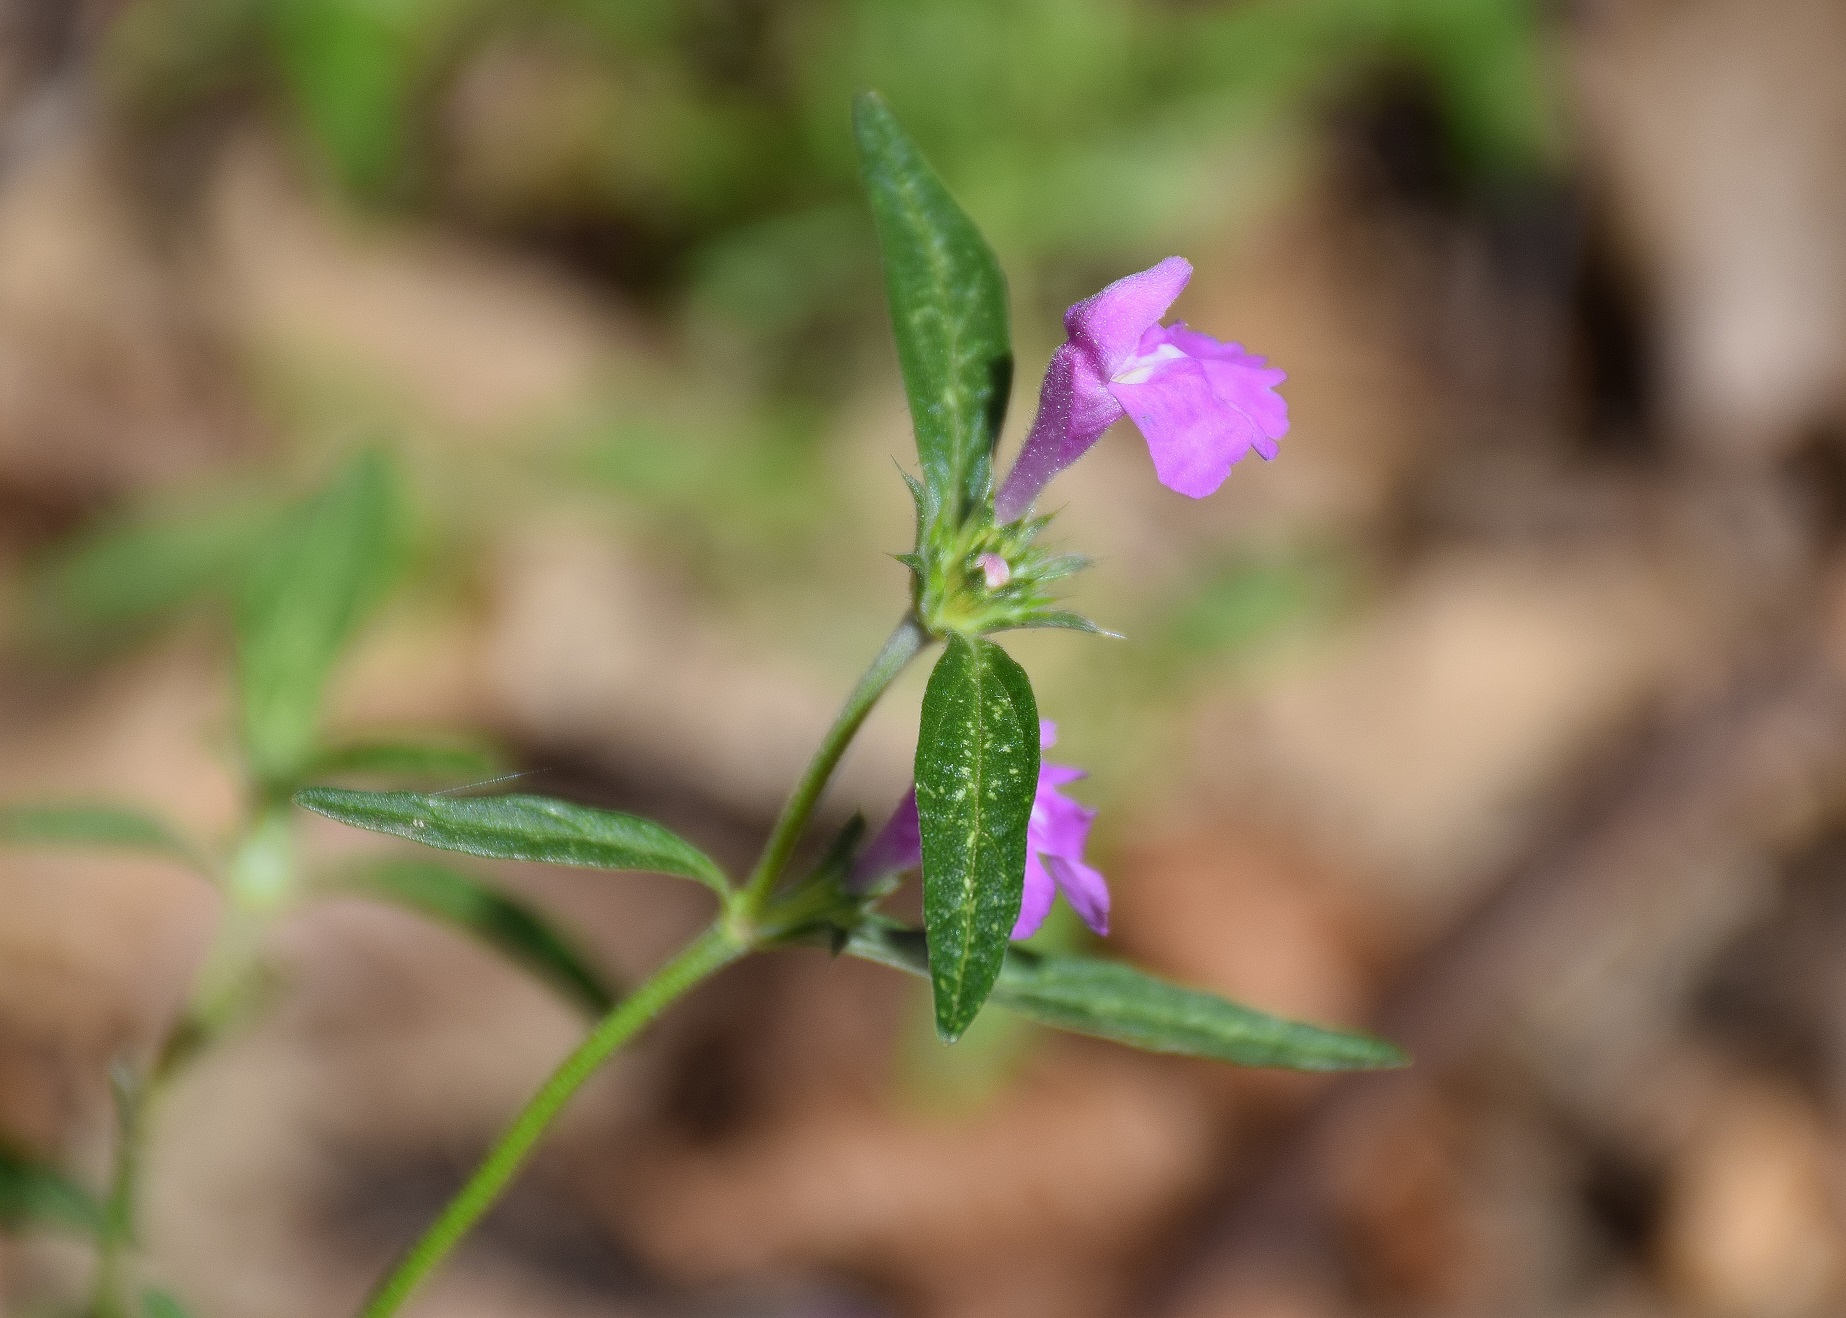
pixel 1055 838
pixel 1200 404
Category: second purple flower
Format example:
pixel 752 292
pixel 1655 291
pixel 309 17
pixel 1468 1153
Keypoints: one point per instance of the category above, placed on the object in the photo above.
pixel 1055 839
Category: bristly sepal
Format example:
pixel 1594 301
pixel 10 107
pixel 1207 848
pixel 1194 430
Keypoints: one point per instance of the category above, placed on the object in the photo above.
pixel 984 577
pixel 1063 619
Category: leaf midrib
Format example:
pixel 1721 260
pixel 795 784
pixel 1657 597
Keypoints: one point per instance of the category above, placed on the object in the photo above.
pixel 938 260
pixel 970 886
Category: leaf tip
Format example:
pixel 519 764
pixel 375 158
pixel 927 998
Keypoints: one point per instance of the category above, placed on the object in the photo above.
pixel 870 114
pixel 317 800
pixel 1391 1057
pixel 1365 1052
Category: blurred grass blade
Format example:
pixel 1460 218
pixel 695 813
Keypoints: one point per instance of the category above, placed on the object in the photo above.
pixel 948 312
pixel 159 1304
pixel 502 922
pixel 977 775
pixel 87 825
pixel 107 584
pixel 300 603
pixel 350 68
pixel 405 760
pixel 1110 1000
pixel 36 1196
pixel 520 828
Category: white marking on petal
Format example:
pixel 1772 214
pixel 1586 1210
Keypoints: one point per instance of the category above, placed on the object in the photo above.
pixel 1137 370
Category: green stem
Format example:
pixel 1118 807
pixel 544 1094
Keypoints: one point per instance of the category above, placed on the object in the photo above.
pixel 903 646
pixel 118 1231
pixel 224 982
pixel 713 950
pixel 728 939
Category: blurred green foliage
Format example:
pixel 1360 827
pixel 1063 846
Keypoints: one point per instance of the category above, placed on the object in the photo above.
pixel 703 144
pixel 698 154
pixel 127 575
pixel 92 826
pixel 1233 606
pixel 318 573
pixel 746 486
pixel 34 1195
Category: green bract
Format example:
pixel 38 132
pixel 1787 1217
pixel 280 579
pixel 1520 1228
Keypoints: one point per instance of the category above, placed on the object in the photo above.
pixel 952 591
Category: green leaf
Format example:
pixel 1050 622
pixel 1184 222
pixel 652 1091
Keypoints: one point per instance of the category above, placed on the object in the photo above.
pixel 106 584
pixel 520 828
pixel 404 760
pixel 502 922
pixel 302 600
pixel 977 774
pixel 1110 1000
pixel 32 1195
pixel 948 311
pixel 159 1304
pixel 87 825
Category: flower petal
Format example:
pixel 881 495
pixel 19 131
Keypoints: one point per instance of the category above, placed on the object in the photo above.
pixel 1084 888
pixel 1056 775
pixel 1047 733
pixel 1108 325
pixel 898 847
pixel 1074 408
pixel 1192 434
pixel 1241 379
pixel 1040 891
pixel 1059 826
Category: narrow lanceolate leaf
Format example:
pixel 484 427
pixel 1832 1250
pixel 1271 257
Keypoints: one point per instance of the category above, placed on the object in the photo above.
pixel 403 760
pixel 948 311
pixel 36 1196
pixel 1110 1000
pixel 977 772
pixel 520 828
pixel 502 922
pixel 86 825
pixel 301 599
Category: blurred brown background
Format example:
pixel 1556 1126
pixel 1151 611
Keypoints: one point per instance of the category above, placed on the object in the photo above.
pixel 1504 714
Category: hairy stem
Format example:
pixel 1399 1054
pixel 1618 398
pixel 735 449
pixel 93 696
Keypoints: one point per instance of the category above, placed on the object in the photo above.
pixel 903 646
pixel 713 950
